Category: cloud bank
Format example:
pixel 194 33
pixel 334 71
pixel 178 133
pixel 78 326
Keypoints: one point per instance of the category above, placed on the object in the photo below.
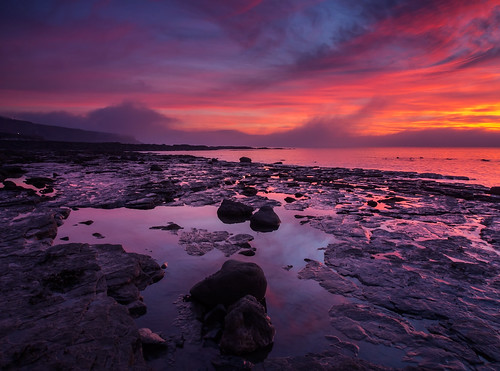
pixel 149 126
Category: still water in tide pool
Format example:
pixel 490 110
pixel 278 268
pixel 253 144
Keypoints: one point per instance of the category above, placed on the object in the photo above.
pixel 298 308
pixel 481 165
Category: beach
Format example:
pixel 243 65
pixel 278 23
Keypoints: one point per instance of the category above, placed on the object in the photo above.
pixel 386 269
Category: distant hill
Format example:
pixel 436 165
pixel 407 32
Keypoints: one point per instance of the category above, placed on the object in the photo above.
pixel 12 129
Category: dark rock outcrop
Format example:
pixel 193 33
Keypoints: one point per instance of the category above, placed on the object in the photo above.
pixel 245 159
pixel 265 220
pixel 65 302
pixel 247 327
pixel 230 212
pixel 233 281
pixel 39 182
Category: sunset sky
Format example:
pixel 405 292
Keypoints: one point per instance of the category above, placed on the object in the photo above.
pixel 258 72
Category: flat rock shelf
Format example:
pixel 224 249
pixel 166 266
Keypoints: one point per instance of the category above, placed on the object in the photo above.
pixel 403 271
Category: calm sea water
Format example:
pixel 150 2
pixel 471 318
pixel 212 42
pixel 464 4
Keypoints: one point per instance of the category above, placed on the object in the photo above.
pixel 481 165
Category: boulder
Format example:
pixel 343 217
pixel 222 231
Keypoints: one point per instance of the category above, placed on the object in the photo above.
pixel 247 327
pixel 245 159
pixel 230 212
pixel 265 220
pixel 233 281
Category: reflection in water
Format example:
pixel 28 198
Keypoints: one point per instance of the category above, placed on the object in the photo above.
pixel 298 308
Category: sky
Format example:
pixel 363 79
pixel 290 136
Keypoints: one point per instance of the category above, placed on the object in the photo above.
pixel 308 73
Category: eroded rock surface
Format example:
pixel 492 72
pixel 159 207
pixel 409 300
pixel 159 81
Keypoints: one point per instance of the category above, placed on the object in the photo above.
pixel 412 253
pixel 62 307
pixel 200 241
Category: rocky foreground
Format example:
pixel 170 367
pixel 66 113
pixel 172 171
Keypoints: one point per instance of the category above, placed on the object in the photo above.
pixel 418 260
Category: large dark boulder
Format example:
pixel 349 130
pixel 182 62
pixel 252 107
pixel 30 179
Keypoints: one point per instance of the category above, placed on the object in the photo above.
pixel 247 327
pixel 265 220
pixel 230 212
pixel 245 159
pixel 233 281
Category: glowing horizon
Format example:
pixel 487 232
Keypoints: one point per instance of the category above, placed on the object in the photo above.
pixel 255 67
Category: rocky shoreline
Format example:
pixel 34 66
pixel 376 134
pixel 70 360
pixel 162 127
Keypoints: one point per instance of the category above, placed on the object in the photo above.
pixel 417 260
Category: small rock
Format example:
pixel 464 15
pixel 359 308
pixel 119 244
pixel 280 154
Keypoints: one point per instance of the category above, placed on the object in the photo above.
pixel 265 220
pixel 155 167
pixel 245 159
pixel 66 238
pixel 247 252
pixel 170 227
pixel 249 191
pixel 289 199
pixel 287 267
pixel 391 200
pixel 173 227
pixel 87 222
pixel 97 235
pixel 372 203
pixel 164 265
pixel 149 337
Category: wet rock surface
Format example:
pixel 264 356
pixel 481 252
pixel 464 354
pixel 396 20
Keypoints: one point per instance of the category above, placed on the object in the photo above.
pixel 200 241
pixel 63 306
pixel 415 259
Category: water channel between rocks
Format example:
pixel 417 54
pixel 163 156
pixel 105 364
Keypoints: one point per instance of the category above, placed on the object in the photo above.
pixel 298 308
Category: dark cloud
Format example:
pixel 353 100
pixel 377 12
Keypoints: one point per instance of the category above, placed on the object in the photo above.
pixel 127 118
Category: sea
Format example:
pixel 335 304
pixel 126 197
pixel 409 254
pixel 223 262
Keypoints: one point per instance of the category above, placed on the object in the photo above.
pixel 480 165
